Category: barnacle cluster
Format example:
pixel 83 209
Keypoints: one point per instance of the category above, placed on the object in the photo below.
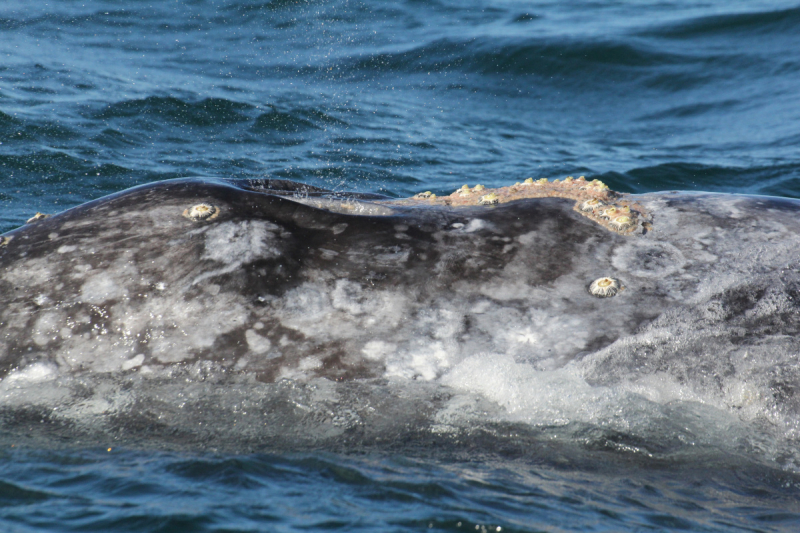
pixel 593 199
pixel 4 241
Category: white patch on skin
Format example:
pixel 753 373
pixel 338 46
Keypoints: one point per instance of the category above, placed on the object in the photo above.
pixel 256 342
pixel 347 296
pixel 648 259
pixel 476 224
pixel 344 312
pixel 423 360
pixel 46 326
pixel 101 288
pixel 309 363
pixel 400 256
pixel 66 248
pixel 480 307
pixel 32 373
pixel 338 228
pixel 31 273
pixel 378 350
pixel 133 362
pixel 175 329
pixel 241 242
pixel 237 243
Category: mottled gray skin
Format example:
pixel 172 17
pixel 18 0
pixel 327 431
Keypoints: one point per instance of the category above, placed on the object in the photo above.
pixel 290 281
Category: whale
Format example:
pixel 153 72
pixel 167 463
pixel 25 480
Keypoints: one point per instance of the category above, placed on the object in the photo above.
pixel 283 284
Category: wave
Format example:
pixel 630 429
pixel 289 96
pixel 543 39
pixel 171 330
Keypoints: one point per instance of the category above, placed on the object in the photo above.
pixel 214 113
pixel 779 22
pixel 540 57
pixel 14 130
pixel 204 113
pixel 777 180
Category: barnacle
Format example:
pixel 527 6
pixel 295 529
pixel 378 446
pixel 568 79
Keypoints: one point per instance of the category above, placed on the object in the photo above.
pixel 622 222
pixel 37 217
pixel 610 212
pixel 488 199
pixel 591 204
pixel 4 241
pixel 605 287
pixel 424 195
pixel 201 212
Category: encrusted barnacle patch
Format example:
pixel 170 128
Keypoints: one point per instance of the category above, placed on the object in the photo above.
pixel 605 287
pixel 201 212
pixel 489 199
pixel 37 217
pixel 424 195
pixel 593 199
pixel 4 241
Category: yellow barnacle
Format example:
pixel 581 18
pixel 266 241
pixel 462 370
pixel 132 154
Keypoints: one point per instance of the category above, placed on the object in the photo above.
pixel 488 199
pixel 622 223
pixel 464 190
pixel 605 287
pixel 542 181
pixel 528 181
pixel 201 212
pixel 568 179
pixel 4 241
pixel 611 212
pixel 424 195
pixel 478 187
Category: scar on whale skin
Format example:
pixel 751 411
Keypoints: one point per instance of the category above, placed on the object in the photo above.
pixel 593 199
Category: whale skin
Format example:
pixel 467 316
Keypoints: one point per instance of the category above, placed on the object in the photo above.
pixel 285 282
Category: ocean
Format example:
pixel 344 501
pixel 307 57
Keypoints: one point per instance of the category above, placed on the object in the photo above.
pixel 398 97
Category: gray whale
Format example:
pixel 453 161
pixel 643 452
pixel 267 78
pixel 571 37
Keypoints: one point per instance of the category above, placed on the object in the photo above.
pixel 283 282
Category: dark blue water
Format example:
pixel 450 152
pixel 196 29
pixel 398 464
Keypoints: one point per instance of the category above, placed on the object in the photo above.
pixel 396 97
